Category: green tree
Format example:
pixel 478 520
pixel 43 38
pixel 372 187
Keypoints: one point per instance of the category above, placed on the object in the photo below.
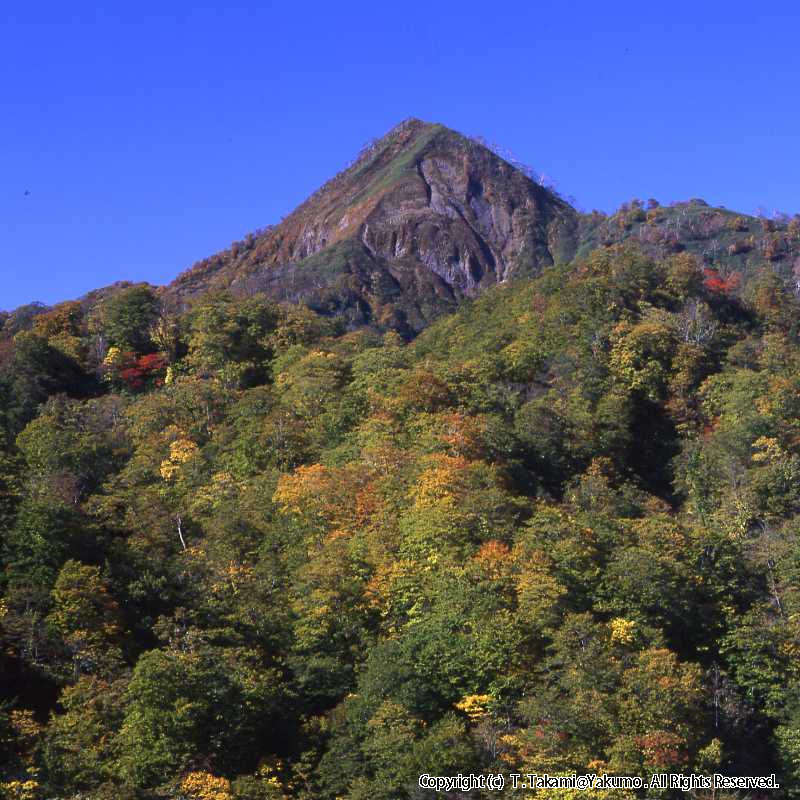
pixel 88 619
pixel 185 707
pixel 230 339
pixel 127 317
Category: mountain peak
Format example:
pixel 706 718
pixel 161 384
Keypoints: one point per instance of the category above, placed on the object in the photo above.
pixel 423 217
pixel 408 126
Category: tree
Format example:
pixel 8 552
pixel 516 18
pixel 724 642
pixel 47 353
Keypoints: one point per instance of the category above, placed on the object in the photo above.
pixel 127 317
pixel 69 448
pixel 87 618
pixel 229 339
pixel 206 704
pixel 78 752
pixel 64 327
pixel 31 372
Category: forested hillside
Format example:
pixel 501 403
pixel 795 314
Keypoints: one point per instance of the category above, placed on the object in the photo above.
pixel 250 552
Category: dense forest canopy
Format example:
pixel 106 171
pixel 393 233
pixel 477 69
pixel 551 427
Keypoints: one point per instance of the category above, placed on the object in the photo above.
pixel 248 553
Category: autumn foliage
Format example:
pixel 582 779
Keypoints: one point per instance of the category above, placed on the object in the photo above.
pixel 248 554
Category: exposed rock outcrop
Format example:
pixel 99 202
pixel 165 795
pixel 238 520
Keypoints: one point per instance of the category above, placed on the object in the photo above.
pixel 424 218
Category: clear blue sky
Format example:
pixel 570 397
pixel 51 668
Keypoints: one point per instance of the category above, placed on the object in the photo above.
pixel 149 135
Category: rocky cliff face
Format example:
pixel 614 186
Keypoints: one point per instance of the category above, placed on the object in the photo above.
pixel 424 218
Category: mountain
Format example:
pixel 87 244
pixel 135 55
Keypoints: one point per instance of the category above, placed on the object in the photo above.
pixel 426 217
pixel 422 219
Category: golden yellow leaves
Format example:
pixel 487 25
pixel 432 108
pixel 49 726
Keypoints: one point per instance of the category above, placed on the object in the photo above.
pixel 24 724
pixel 233 578
pixel 538 592
pixel 294 492
pixel 205 786
pixel 113 357
pixel 181 451
pixel 326 494
pixel 475 706
pixel 26 729
pixel 623 631
pixel 439 484
pixel 201 785
pixel 768 450
pixel 20 790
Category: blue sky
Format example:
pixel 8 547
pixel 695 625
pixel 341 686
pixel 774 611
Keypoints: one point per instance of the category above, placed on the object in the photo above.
pixel 136 138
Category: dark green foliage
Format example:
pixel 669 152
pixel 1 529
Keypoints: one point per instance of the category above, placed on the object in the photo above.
pixel 211 703
pixel 128 316
pixel 30 372
pixel 38 543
